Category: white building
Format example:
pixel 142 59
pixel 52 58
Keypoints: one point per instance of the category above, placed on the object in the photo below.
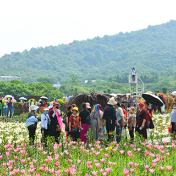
pixel 9 78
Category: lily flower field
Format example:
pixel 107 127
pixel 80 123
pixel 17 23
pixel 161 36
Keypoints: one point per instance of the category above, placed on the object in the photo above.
pixel 68 158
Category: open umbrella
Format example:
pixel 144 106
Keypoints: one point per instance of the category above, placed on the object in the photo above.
pixel 8 96
pixel 43 97
pixel 22 98
pixel 173 93
pixel 153 99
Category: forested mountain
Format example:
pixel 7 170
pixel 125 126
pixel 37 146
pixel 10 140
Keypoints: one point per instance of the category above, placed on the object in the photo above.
pixel 150 51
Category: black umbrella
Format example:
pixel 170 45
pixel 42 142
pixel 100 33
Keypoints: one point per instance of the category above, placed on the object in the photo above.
pixel 153 99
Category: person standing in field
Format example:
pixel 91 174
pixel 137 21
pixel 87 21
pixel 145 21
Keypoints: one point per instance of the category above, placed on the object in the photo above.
pixel 131 122
pixel 74 124
pixel 31 123
pixel 120 120
pixel 9 104
pixel 110 117
pixel 173 120
pixel 141 119
pixel 96 121
pixel 56 126
pixel 83 115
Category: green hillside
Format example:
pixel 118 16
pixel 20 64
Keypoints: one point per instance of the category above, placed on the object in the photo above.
pixel 151 50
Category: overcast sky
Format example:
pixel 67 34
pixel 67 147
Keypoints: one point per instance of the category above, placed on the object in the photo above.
pixel 34 23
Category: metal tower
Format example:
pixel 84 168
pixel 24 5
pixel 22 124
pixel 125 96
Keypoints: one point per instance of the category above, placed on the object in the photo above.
pixel 139 84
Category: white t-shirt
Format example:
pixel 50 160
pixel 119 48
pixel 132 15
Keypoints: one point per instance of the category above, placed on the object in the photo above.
pixel 119 113
pixel 44 121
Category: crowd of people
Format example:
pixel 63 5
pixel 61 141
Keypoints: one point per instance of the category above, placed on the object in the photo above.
pixel 110 123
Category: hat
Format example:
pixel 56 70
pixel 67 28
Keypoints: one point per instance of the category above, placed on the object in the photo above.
pixel 46 109
pixel 141 104
pixel 131 108
pixel 75 108
pixel 88 105
pixel 112 101
pixel 51 105
pixel 33 108
pixel 55 103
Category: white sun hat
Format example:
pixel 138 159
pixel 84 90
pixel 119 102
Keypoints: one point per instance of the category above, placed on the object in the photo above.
pixel 112 101
pixel 51 105
pixel 33 108
pixel 46 109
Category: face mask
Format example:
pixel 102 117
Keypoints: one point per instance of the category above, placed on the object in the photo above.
pixel 174 107
pixel 35 111
pixel 46 112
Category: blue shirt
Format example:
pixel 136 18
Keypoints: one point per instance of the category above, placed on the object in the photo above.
pixel 173 115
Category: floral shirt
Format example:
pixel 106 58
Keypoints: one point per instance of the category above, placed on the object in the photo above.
pixel 75 121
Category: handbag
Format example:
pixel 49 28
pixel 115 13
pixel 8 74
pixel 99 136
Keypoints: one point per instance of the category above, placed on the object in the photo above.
pixel 88 120
pixel 151 125
pixel 73 130
pixel 64 119
pixel 125 120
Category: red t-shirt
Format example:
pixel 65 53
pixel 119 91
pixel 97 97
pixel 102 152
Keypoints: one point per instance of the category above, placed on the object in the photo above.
pixel 45 104
pixel 125 113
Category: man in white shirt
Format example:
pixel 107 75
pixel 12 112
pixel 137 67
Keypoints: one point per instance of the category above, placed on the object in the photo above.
pixel 120 120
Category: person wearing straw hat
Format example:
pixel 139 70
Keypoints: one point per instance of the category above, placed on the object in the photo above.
pixel 74 124
pixel 110 117
pixel 31 123
pixel 55 127
pixel 44 124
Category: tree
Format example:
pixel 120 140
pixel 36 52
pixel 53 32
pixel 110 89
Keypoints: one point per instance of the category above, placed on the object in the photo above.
pixel 44 80
pixel 164 89
pixel 157 91
pixel 74 79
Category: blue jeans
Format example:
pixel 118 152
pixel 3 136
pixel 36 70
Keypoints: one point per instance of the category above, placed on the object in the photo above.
pixel 9 109
pixel 119 131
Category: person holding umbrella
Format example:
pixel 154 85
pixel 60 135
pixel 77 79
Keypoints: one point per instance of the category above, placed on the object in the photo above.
pixel 141 119
pixel 9 104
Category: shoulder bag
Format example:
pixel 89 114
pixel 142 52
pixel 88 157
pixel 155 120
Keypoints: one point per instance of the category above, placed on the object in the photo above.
pixel 88 120
pixel 151 125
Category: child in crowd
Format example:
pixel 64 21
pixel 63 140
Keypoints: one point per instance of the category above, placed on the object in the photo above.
pixel 131 122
